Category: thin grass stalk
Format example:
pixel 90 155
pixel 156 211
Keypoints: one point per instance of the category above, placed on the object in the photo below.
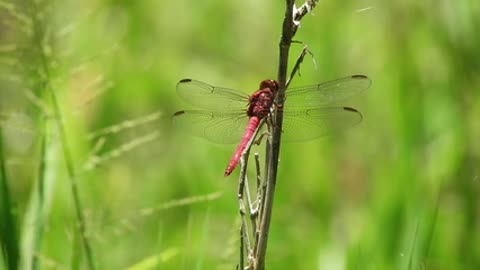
pixel 242 248
pixel 411 257
pixel 8 231
pixel 429 236
pixel 71 176
pixel 38 36
pixel 36 213
pixel 39 220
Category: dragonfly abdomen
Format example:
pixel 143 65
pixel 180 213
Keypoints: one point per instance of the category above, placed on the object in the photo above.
pixel 252 126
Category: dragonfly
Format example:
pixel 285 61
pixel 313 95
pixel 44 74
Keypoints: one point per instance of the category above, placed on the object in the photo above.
pixel 227 115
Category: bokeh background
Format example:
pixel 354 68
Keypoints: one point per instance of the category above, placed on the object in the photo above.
pixel 399 191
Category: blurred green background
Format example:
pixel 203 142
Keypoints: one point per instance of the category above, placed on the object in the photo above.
pixel 399 191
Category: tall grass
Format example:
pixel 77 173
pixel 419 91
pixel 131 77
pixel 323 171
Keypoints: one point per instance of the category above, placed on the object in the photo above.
pixel 40 39
pixel 35 52
pixel 39 207
pixel 401 188
pixel 8 219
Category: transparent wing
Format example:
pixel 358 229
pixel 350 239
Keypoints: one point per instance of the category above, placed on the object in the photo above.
pixel 313 123
pixel 218 127
pixel 326 93
pixel 210 97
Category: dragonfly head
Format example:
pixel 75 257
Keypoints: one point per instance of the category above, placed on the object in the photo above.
pixel 271 84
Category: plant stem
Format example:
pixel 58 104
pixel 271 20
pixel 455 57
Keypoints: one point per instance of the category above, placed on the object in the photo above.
pixel 273 146
pixel 38 37
pixel 73 183
pixel 8 223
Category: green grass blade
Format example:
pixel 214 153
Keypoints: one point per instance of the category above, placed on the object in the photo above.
pixel 8 229
pixel 39 205
pixel 430 235
pixel 412 250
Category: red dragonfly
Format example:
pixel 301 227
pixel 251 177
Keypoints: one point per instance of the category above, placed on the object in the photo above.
pixel 231 116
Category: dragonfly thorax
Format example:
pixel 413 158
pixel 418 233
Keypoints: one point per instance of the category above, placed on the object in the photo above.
pixel 261 102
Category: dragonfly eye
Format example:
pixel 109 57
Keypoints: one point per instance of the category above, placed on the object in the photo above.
pixel 271 84
pixel 275 85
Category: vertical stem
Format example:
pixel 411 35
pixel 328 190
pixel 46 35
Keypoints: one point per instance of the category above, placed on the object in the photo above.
pixel 38 36
pixel 273 147
pixel 242 248
pixel 258 209
pixel 8 226
pixel 41 200
pixel 73 183
pixel 243 187
pixel 241 202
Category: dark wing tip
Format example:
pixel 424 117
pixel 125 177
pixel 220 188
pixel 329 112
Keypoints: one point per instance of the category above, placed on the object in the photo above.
pixel 367 80
pixel 359 76
pixel 185 80
pixel 182 82
pixel 179 113
pixel 350 109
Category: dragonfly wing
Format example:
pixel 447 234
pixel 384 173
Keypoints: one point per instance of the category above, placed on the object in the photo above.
pixel 322 94
pixel 313 123
pixel 210 97
pixel 218 127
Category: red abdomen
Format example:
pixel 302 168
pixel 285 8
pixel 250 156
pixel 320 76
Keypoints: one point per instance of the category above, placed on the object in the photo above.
pixel 249 132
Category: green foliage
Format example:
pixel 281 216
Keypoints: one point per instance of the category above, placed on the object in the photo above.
pixel 399 191
pixel 8 220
